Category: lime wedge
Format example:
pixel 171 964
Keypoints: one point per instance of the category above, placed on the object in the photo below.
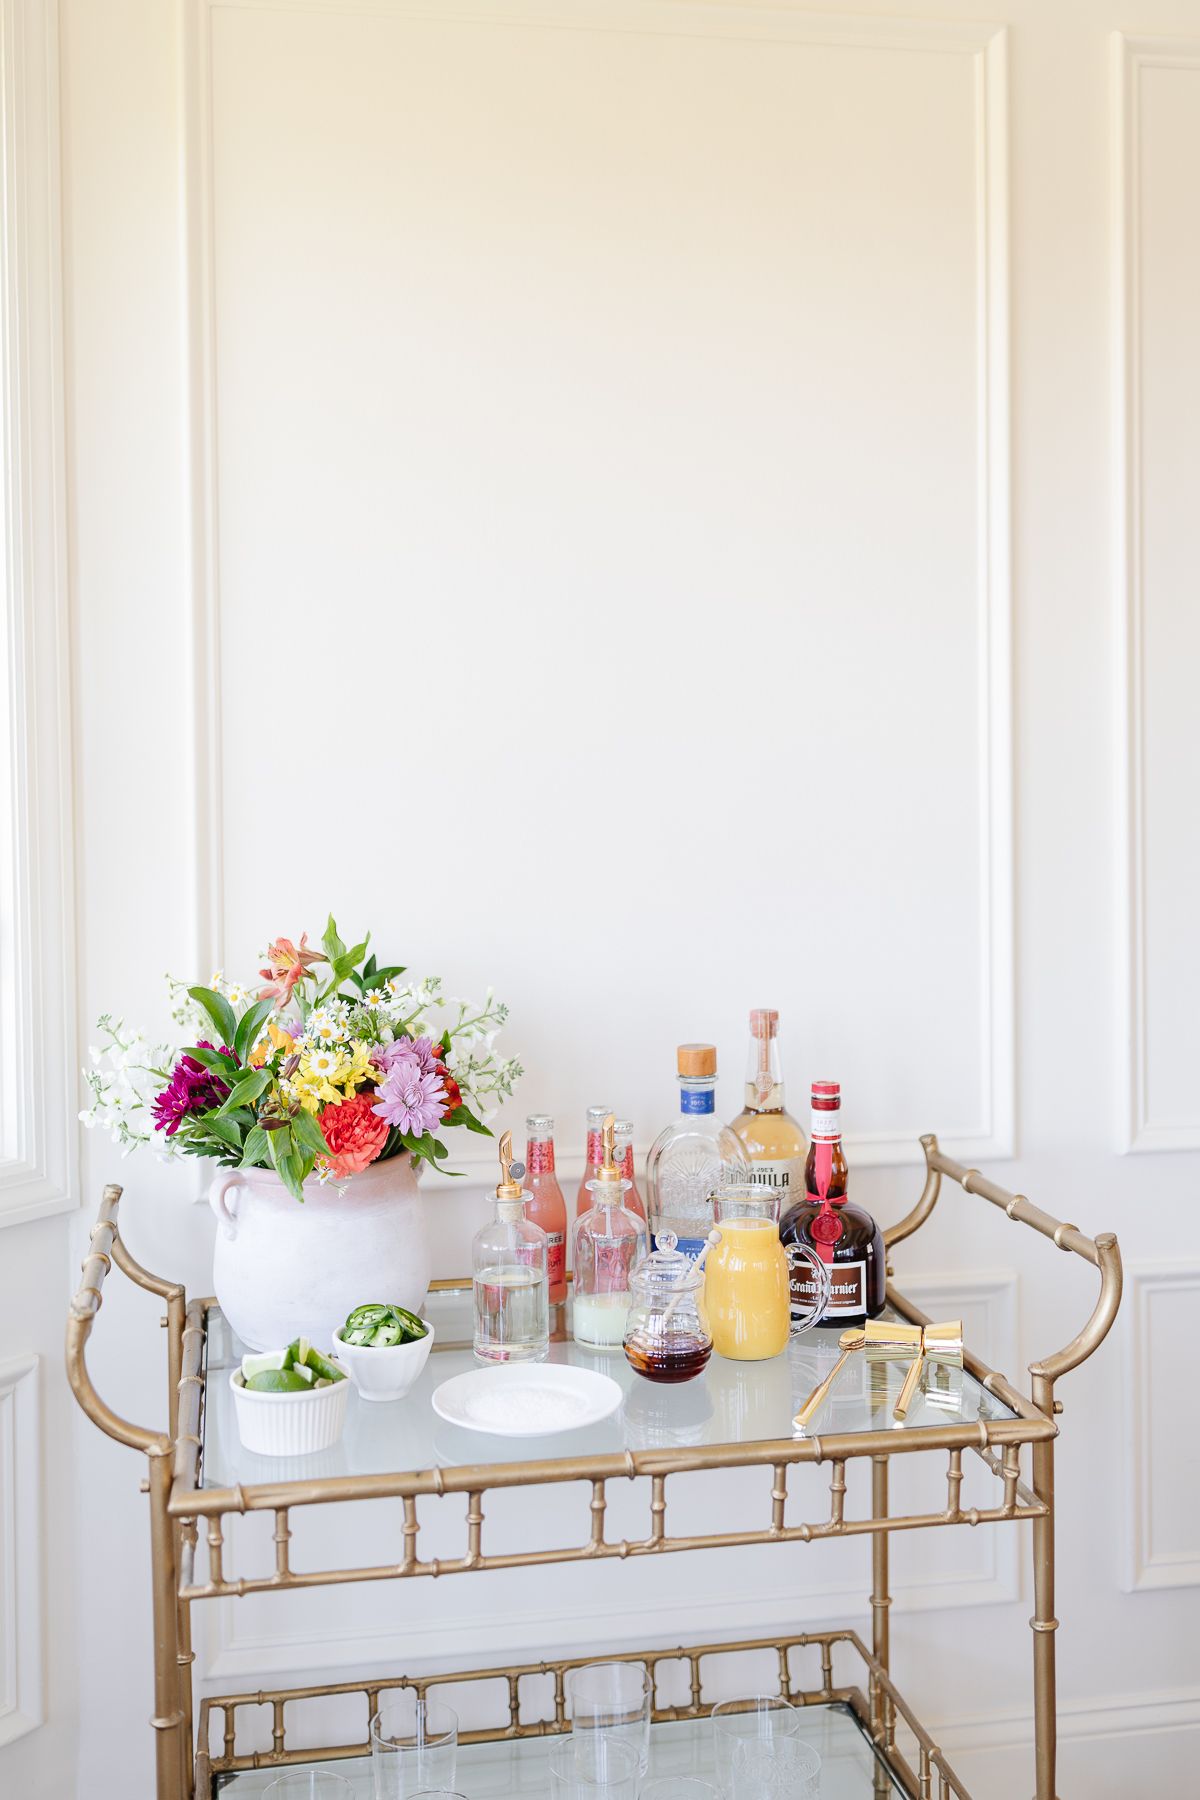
pixel 321 1365
pixel 306 1375
pixel 277 1381
pixel 255 1364
pixel 302 1349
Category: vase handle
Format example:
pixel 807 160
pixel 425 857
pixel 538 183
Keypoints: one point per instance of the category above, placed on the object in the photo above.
pixel 224 1185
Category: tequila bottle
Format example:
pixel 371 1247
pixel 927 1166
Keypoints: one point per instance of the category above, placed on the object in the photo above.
pixel 843 1234
pixel 693 1156
pixel 608 1243
pixel 546 1206
pixel 775 1145
pixel 508 1262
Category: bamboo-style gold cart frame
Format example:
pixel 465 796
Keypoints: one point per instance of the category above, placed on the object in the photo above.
pixel 178 1503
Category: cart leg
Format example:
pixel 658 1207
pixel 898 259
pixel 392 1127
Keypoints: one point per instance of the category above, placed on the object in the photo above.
pixel 167 1721
pixel 881 1600
pixel 1043 1623
pixel 185 1657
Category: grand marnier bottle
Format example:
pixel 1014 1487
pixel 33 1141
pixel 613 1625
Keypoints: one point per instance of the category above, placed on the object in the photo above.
pixel 843 1234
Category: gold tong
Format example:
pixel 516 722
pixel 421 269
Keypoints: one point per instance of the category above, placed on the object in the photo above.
pixel 890 1340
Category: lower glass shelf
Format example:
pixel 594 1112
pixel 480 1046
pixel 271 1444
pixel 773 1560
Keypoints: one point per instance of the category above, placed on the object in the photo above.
pixel 850 1767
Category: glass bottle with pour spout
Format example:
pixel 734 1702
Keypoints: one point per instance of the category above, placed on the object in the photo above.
pixel 608 1243
pixel 509 1280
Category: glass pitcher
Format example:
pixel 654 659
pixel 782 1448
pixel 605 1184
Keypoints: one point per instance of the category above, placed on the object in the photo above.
pixel 666 1335
pixel 747 1279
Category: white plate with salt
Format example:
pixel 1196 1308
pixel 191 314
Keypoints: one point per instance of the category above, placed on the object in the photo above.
pixel 527 1399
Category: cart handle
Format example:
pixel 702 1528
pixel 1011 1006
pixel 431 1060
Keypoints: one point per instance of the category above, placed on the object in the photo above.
pixel 1102 1252
pixel 105 1249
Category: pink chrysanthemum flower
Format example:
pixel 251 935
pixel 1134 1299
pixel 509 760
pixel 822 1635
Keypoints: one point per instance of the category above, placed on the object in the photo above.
pixel 411 1100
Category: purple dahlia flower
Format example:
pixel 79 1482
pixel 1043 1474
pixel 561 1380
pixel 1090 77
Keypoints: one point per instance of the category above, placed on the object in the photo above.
pixel 191 1089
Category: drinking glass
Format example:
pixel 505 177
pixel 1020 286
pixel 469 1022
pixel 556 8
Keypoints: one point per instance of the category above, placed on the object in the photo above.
pixel 790 1770
pixel 678 1787
pixel 613 1700
pixel 309 1784
pixel 414 1745
pixel 762 1719
pixel 593 1766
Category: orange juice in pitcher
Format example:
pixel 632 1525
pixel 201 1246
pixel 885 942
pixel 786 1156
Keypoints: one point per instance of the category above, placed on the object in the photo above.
pixel 747 1277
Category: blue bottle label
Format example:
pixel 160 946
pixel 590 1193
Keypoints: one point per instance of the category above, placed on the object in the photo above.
pixel 689 1246
pixel 697 1100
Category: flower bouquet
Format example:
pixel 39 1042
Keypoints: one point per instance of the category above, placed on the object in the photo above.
pixel 331 1082
pixel 333 1064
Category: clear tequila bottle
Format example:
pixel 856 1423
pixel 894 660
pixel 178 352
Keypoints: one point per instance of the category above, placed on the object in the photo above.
pixel 508 1263
pixel 693 1156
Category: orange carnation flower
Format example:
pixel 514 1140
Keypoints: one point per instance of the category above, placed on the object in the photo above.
pixel 354 1133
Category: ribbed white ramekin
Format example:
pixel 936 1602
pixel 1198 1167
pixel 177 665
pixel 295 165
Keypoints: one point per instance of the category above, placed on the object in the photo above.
pixel 290 1424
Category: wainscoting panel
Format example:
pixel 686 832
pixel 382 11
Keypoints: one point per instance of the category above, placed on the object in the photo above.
pixel 1162 1475
pixel 1157 401
pixel 20 1550
pixel 621 413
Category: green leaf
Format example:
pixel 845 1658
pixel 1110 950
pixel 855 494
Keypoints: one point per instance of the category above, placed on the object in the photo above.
pixel 369 967
pixel 308 1134
pixel 218 1010
pixel 213 1059
pixel 349 960
pixel 224 1129
pixel 384 974
pixel 462 1115
pixel 286 1159
pixel 251 1085
pixel 255 1147
pixel 249 1026
pixel 331 943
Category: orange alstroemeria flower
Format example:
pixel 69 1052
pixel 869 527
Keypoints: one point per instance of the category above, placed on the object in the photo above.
pixel 288 965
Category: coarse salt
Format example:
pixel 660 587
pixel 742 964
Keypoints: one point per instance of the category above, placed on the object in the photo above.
pixel 527 1409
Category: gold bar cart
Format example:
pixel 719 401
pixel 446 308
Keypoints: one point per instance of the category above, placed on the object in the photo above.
pixel 874 1727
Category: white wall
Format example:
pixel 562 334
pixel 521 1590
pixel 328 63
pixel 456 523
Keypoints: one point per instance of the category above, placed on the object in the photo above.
pixel 636 394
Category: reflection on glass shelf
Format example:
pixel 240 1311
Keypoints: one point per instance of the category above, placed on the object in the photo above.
pixel 684 1747
pixel 732 1402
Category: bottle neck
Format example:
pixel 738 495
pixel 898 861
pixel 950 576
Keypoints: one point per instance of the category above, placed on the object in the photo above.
pixel 764 1078
pixel 595 1148
pixel 826 1127
pixel 509 1210
pixel 697 1094
pixel 626 1163
pixel 539 1156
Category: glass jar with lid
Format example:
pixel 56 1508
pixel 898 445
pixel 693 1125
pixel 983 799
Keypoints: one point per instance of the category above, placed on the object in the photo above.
pixel 666 1335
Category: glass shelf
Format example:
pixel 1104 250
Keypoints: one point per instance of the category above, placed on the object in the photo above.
pixel 850 1768
pixel 731 1403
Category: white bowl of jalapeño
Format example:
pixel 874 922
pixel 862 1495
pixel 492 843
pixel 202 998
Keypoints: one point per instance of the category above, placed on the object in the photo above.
pixel 385 1347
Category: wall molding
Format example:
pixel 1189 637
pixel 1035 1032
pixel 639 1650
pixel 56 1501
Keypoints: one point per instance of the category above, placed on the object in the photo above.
pixel 1095 1718
pixel 21 1614
pixel 992 1135
pixel 1144 1567
pixel 228 1653
pixel 1130 55
pixel 39 1079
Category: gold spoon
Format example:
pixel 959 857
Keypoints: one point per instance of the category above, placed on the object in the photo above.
pixel 849 1342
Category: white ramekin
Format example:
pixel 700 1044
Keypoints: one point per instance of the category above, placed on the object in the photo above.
pixel 387 1371
pixel 290 1424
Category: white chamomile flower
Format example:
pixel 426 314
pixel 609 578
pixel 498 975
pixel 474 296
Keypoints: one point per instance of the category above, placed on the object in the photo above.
pixel 395 987
pixel 215 980
pixel 374 998
pixel 323 1062
pixel 324 1027
pixel 237 995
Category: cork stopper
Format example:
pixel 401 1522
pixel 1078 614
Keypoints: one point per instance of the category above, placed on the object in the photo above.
pixel 764 1023
pixel 694 1061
